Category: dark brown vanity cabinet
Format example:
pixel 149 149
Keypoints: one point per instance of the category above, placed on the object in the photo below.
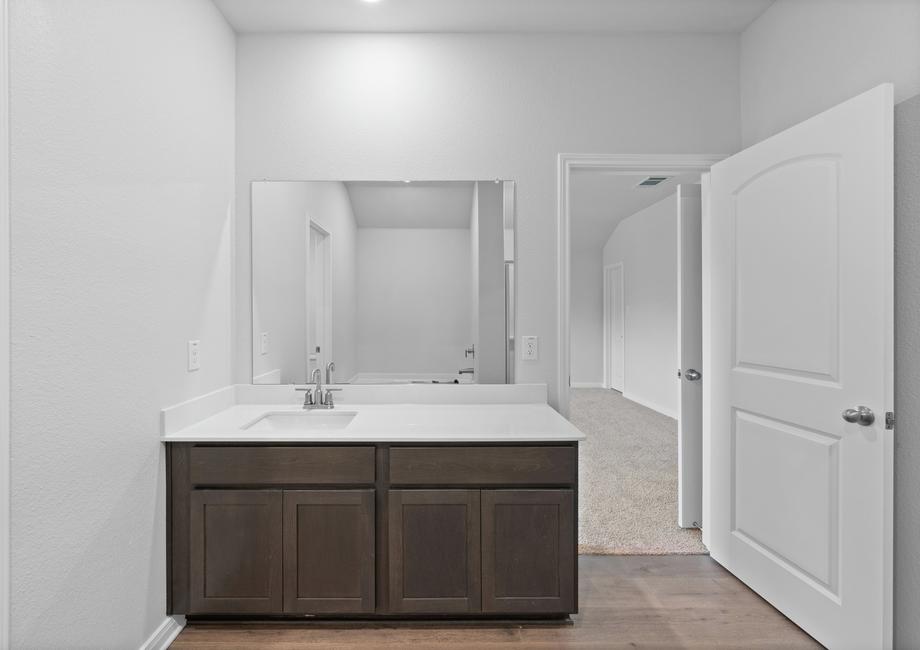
pixel 235 561
pixel 329 551
pixel 528 551
pixel 372 530
pixel 434 551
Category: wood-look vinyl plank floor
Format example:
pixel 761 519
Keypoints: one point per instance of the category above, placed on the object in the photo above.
pixel 626 602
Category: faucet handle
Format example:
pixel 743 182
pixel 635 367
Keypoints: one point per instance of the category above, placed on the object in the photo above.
pixel 327 397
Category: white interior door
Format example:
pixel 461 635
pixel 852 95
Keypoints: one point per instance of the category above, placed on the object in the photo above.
pixel 614 326
pixel 690 353
pixel 800 257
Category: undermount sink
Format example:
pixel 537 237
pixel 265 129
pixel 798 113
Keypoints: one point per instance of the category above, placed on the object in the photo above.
pixel 301 421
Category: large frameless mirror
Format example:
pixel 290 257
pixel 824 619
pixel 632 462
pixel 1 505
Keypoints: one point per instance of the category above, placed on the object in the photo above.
pixel 383 282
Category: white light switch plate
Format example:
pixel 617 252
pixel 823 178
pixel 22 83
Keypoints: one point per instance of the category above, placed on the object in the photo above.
pixel 530 348
pixel 194 355
pixel 263 343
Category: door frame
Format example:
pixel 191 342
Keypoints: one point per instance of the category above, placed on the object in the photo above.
pixel 608 324
pixel 626 164
pixel 326 345
pixel 5 462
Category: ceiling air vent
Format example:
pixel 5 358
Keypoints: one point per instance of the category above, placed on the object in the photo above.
pixel 652 181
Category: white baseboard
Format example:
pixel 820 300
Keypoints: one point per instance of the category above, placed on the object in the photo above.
pixel 588 384
pixel 671 413
pixel 165 634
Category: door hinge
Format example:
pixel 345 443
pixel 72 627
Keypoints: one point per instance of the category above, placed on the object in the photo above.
pixel 889 420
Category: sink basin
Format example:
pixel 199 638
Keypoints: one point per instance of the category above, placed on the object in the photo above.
pixel 301 421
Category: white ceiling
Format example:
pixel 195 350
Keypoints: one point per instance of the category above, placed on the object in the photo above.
pixel 586 16
pixel 411 205
pixel 599 200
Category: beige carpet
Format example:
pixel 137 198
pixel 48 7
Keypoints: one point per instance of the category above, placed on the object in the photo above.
pixel 627 478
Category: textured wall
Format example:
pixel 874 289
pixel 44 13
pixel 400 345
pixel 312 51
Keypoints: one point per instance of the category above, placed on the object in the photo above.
pixel 122 183
pixel 907 374
pixel 467 106
pixel 803 56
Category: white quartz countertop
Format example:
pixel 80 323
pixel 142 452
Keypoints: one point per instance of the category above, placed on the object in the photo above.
pixel 393 423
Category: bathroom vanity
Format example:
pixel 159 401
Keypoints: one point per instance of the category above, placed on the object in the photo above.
pixel 387 510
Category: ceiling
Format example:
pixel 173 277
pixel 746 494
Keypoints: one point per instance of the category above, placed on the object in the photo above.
pixel 599 200
pixel 411 205
pixel 579 16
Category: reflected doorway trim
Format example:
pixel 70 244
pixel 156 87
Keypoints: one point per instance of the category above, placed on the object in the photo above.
pixel 326 344
pixel 617 163
pixel 608 324
pixel 5 463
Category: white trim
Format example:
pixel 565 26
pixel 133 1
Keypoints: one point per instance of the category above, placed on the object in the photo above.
pixel 622 163
pixel 326 347
pixel 5 462
pixel 165 633
pixel 588 384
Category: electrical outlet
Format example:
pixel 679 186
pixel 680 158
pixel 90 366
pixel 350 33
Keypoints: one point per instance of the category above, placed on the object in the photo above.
pixel 263 343
pixel 530 348
pixel 194 355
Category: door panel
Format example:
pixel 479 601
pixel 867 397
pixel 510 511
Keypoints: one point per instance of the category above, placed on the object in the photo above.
pixel 800 299
pixel 690 347
pixel 528 551
pixel 434 551
pixel 329 551
pixel 236 552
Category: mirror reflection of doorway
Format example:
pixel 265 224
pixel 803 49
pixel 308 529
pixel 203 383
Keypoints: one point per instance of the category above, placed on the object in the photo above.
pixel 318 298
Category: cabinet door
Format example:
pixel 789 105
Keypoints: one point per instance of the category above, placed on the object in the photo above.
pixel 434 551
pixel 329 551
pixel 528 551
pixel 236 552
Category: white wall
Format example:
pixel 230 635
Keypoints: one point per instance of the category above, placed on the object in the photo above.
pixel 463 106
pixel 646 244
pixel 122 181
pixel 798 59
pixel 586 315
pixel 803 56
pixel 413 299
pixel 907 374
pixel 279 249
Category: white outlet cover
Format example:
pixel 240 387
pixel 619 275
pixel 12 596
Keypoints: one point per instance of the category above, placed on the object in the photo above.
pixel 530 348
pixel 194 355
pixel 263 343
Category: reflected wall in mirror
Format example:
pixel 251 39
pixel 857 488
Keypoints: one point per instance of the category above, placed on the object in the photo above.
pixel 383 282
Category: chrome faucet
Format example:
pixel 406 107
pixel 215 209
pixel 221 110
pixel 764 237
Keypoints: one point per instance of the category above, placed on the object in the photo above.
pixel 318 398
pixel 330 368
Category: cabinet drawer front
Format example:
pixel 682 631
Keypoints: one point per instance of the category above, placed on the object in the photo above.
pixel 483 465
pixel 282 466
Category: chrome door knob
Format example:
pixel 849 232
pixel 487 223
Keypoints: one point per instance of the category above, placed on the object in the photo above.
pixel 692 375
pixel 861 415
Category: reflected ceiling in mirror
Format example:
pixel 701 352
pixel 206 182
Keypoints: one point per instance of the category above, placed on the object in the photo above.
pixel 370 282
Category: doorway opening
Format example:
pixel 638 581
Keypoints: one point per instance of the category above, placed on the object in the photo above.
pixel 630 251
